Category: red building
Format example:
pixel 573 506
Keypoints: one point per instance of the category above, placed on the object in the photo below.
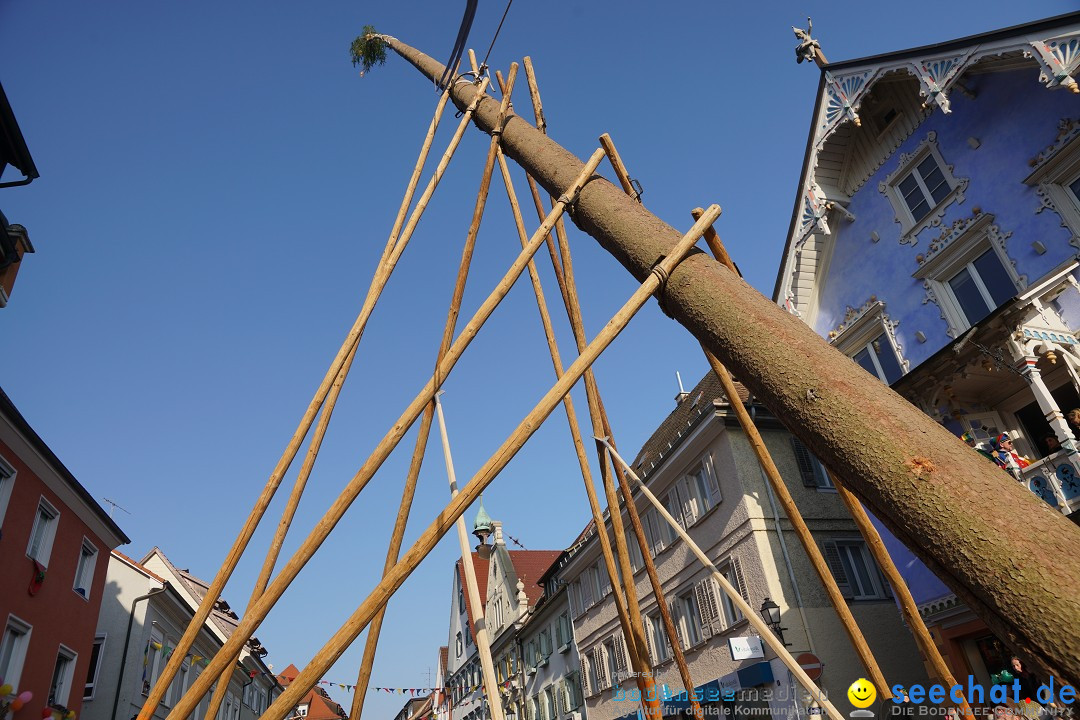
pixel 55 542
pixel 316 705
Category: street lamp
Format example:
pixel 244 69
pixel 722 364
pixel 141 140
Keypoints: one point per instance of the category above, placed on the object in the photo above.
pixel 770 613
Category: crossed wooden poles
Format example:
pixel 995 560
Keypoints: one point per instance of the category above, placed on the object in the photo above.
pixel 617 559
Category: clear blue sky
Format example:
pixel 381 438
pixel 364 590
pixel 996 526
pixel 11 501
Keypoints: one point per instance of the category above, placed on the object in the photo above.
pixel 217 183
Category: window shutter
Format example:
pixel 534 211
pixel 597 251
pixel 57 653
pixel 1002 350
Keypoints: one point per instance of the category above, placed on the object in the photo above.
pixel 585 690
pixel 740 584
pixel 599 666
pixel 605 581
pixel 586 589
pixel 677 619
pixel 649 639
pixel 706 603
pixel 620 655
pixel 663 627
pixel 713 482
pixel 806 462
pixel 689 503
pixel 832 558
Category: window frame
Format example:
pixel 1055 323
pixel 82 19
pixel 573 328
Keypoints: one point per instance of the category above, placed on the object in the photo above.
pixel 956 249
pixel 7 482
pixel 908 163
pixel 862 328
pixel 1056 169
pixel 44 550
pixel 88 582
pixel 689 618
pixel 97 650
pixel 838 550
pixel 16 661
pixel 62 684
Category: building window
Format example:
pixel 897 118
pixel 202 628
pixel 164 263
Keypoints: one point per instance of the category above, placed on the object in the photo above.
pixel 63 670
pixel 857 575
pixel 868 337
pixel 92 670
pixel 924 188
pixel 921 187
pixel 733 573
pixel 967 272
pixel 41 537
pixel 549 703
pixel 689 620
pixel 659 645
pixel 575 694
pixel 84 571
pixel 879 358
pixel 7 482
pixel 459 645
pixel 564 632
pixel 544 643
pixel 1056 175
pixel 811 470
pixel 152 660
pixel 13 650
pixel 468 634
pixel 301 710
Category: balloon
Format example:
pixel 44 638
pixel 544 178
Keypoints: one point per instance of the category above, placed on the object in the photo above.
pixel 16 704
pixel 5 689
pixel 26 696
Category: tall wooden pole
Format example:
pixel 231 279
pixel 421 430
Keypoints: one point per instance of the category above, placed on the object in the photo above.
pixel 371 643
pixel 293 502
pixel 348 632
pixel 639 659
pixel 468 570
pixel 345 352
pixel 564 275
pixel 943 501
pixel 257 612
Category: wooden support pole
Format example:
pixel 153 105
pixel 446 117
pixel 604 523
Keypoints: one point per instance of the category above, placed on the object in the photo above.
pixel 617 164
pixel 256 613
pixel 394 549
pixel 341 640
pixel 293 502
pixel 483 643
pixel 642 670
pixel 903 594
pixel 767 635
pixel 636 642
pixel 870 534
pixel 634 625
pixel 326 388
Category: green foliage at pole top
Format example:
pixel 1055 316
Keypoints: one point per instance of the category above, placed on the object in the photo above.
pixel 368 50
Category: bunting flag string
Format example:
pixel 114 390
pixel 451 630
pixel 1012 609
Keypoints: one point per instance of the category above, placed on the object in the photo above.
pixel 418 692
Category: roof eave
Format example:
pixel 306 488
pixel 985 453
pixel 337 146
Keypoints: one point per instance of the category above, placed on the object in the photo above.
pixel 786 257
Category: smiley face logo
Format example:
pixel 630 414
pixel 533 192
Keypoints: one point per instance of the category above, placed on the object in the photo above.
pixel 862 693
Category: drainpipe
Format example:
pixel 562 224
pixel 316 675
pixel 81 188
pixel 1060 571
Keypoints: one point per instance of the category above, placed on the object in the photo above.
pixel 783 547
pixel 127 643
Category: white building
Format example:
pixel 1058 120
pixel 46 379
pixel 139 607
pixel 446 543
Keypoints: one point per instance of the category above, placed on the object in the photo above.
pixel 701 466
pixel 146 608
pixel 552 688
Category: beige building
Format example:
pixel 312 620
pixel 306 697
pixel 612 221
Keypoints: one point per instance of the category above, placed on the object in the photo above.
pixel 699 463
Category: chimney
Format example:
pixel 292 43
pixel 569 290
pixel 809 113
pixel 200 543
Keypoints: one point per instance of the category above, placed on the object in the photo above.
pixel 682 395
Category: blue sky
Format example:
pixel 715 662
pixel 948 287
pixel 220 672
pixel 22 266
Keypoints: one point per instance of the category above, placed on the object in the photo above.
pixel 217 183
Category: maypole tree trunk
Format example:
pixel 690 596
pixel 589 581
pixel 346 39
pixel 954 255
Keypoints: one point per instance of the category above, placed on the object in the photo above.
pixel 1009 556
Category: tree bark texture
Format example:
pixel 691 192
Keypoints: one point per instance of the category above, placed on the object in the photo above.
pixel 1005 553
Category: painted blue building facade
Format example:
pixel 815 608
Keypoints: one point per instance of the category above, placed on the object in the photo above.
pixel 935 241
